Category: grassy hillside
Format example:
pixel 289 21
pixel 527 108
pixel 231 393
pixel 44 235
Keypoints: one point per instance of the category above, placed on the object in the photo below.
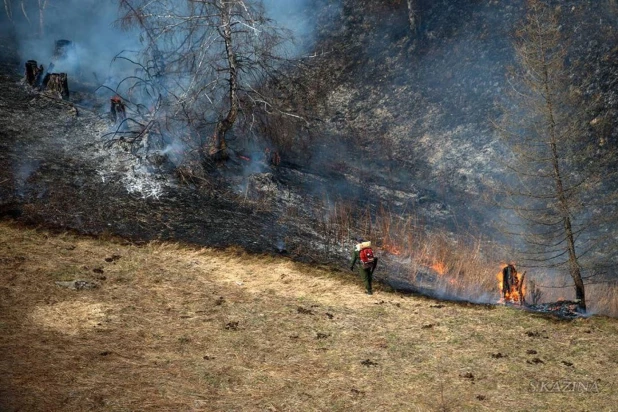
pixel 174 328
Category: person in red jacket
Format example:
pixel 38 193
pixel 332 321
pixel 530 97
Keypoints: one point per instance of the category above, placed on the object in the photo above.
pixel 367 263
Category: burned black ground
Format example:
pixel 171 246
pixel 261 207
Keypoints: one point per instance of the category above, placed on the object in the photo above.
pixel 58 170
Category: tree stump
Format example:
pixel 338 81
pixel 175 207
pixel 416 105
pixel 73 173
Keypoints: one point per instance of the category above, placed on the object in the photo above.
pixel 57 83
pixel 62 49
pixel 117 110
pixel 33 73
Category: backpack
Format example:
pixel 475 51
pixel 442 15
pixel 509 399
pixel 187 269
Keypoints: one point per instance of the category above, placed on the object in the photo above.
pixel 366 258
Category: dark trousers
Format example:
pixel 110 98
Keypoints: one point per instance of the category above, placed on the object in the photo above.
pixel 367 275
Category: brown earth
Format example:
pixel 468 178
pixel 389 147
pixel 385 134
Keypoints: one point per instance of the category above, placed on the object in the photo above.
pixel 173 328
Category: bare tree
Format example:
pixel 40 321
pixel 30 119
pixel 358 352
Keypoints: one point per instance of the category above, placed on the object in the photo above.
pixel 558 188
pixel 42 5
pixel 10 4
pixel 204 60
pixel 24 5
pixel 413 15
pixel 8 9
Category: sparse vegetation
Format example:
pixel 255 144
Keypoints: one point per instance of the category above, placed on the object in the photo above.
pixel 454 266
pixel 156 335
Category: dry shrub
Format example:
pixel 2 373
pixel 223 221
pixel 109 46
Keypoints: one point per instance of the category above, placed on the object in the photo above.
pixel 552 286
pixel 461 269
pixel 395 233
pixel 339 221
pixel 335 222
pixel 456 266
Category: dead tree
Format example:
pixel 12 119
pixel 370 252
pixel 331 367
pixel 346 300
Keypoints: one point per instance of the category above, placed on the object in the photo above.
pixel 25 6
pixel 21 5
pixel 556 182
pixel 42 5
pixel 218 149
pixel 413 15
pixel 8 9
pixel 204 58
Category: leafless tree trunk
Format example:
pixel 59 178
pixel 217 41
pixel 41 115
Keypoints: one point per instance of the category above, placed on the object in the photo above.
pixel 42 6
pixel 28 5
pixel 413 15
pixel 219 146
pixel 8 9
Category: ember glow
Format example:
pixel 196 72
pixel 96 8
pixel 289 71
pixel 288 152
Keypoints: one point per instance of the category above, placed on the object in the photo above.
pixel 439 267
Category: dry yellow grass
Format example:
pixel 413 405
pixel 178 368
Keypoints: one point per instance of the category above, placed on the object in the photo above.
pixel 173 328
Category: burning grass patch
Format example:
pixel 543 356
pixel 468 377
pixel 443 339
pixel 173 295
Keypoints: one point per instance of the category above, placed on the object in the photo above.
pixel 179 328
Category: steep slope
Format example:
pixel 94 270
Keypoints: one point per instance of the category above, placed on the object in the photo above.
pixel 413 110
pixel 416 107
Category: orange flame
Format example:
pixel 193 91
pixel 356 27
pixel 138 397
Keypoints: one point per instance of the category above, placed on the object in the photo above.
pixel 512 295
pixel 439 267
